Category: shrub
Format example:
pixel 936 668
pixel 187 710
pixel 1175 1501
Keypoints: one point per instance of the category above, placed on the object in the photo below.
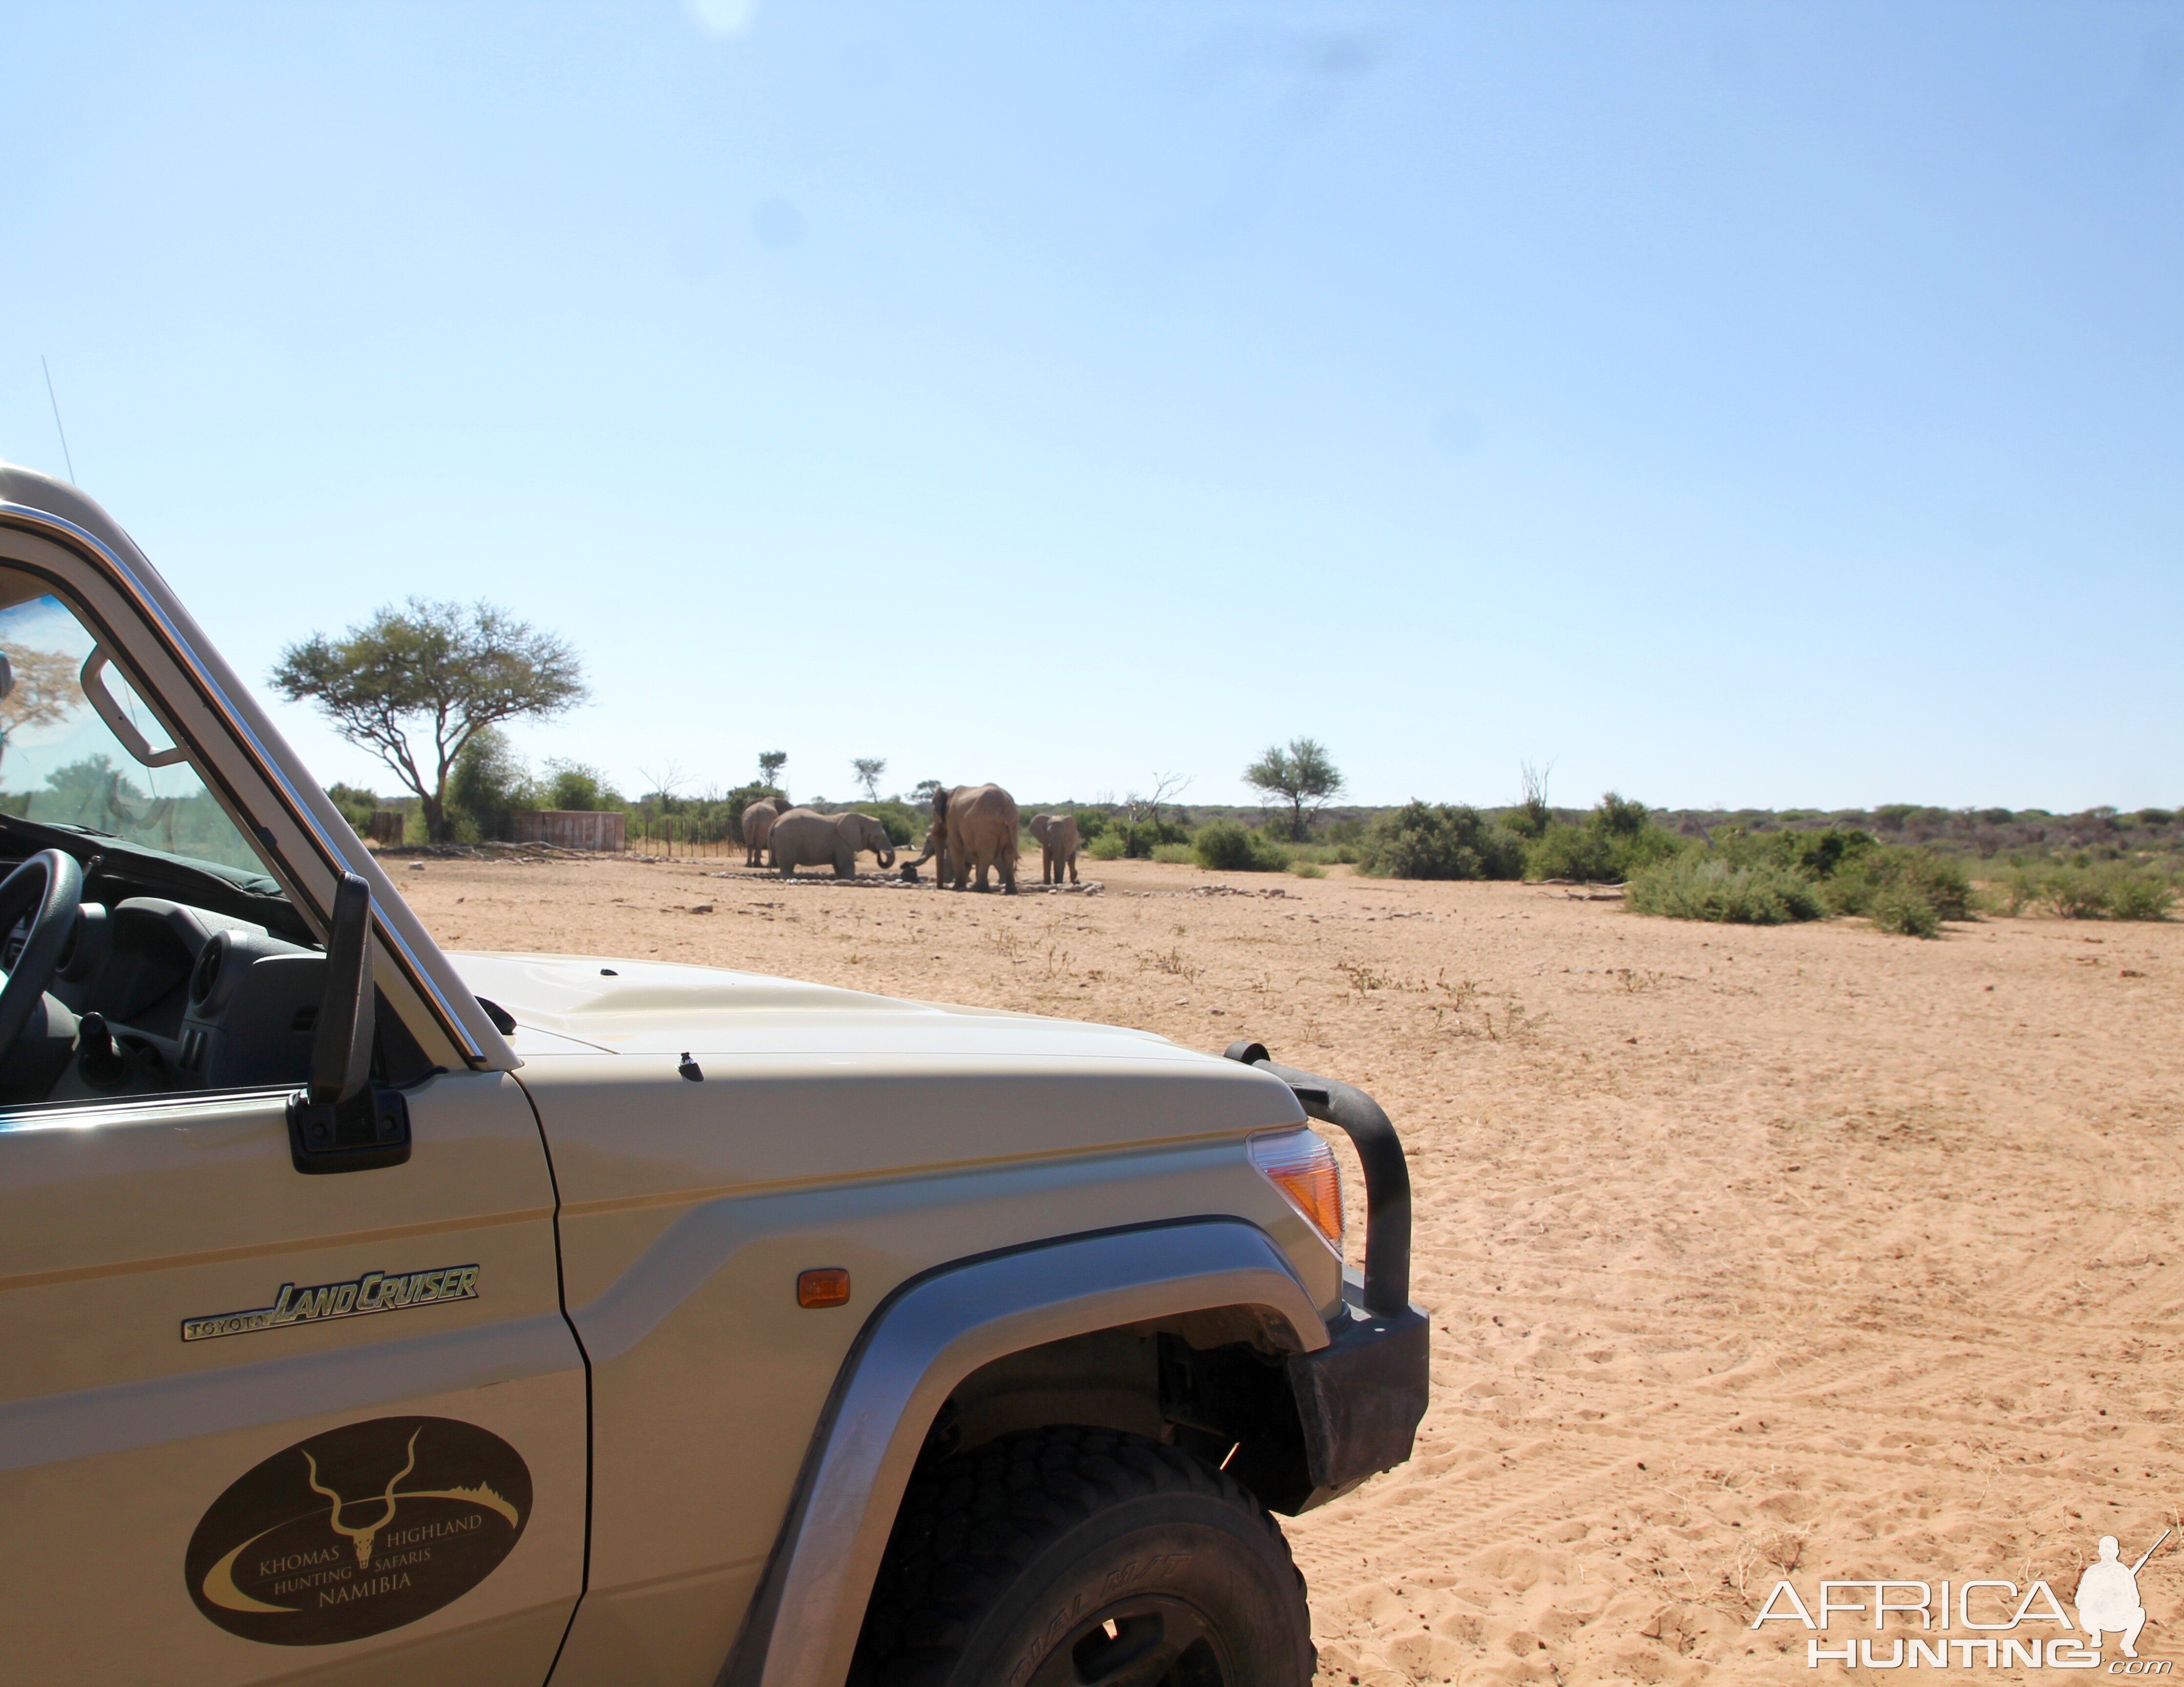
pixel 1108 846
pixel 2147 895
pixel 356 806
pixel 1091 823
pixel 1902 909
pixel 1696 887
pixel 2104 890
pixel 1573 852
pixel 1224 846
pixel 1441 840
pixel 1860 883
pixel 1616 840
pixel 1817 855
pixel 573 785
pixel 1140 840
pixel 1307 869
pixel 488 784
pixel 1175 854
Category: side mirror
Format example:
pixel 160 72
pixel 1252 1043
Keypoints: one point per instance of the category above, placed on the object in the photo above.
pixel 340 1122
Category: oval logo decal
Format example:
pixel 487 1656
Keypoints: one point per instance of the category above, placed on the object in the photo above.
pixel 358 1530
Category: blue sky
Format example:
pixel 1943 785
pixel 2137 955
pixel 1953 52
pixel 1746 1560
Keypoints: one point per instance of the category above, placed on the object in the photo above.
pixel 1732 404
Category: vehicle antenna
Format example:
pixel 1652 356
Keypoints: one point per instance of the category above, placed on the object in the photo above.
pixel 58 428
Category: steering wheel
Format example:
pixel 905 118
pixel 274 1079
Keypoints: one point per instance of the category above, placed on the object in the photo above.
pixel 48 887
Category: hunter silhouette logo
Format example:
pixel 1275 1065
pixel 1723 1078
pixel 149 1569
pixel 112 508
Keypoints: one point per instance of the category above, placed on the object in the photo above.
pixel 1980 1622
pixel 359 1530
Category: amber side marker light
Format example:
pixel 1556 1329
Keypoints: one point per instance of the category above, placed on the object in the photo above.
pixel 827 1286
pixel 1302 1167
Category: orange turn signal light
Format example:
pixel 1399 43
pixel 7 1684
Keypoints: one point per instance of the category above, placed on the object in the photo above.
pixel 829 1286
pixel 1302 1167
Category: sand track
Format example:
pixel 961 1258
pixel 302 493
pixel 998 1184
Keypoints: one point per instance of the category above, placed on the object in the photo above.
pixel 1745 1249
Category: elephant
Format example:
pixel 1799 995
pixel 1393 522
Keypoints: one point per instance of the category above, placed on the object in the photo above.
pixel 1057 846
pixel 936 845
pixel 982 828
pixel 757 823
pixel 805 837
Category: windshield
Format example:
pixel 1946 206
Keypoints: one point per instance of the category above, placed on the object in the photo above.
pixel 61 764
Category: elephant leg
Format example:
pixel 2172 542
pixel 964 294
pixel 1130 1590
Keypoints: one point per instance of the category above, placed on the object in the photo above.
pixel 1008 869
pixel 1072 869
pixel 845 864
pixel 788 863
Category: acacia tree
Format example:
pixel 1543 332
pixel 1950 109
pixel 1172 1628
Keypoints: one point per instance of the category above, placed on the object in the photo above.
pixel 870 768
pixel 37 688
pixel 1301 774
pixel 770 763
pixel 415 685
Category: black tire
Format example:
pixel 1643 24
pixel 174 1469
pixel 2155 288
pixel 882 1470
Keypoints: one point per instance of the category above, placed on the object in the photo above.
pixel 1065 1558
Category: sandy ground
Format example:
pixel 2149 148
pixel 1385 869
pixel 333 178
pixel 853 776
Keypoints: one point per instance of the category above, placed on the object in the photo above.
pixel 1747 1250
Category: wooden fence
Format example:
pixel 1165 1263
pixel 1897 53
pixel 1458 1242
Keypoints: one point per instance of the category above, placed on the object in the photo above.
pixel 572 828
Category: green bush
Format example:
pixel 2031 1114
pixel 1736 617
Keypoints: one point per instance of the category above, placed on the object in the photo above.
pixel 1304 869
pixel 1091 823
pixel 1441 840
pixel 1224 846
pixel 2095 890
pixel 1108 846
pixel 488 784
pixel 575 785
pixel 1174 855
pixel 1919 874
pixel 2145 895
pixel 1902 909
pixel 1140 840
pixel 1698 887
pixel 356 806
pixel 1617 839
pixel 1817 855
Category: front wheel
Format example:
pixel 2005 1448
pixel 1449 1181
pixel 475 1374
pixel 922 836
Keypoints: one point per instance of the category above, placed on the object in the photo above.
pixel 1071 1557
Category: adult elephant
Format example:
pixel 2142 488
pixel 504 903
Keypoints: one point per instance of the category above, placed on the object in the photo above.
pixel 805 837
pixel 757 823
pixel 982 830
pixel 1057 846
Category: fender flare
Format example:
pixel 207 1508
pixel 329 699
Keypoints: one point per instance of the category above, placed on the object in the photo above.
pixel 918 1344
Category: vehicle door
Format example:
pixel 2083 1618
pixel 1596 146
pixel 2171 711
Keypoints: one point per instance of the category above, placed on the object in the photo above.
pixel 257 1422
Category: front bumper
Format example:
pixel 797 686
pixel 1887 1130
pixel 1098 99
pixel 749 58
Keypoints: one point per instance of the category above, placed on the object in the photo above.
pixel 1359 1399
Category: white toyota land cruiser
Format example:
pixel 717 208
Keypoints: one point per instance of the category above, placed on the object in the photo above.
pixel 376 1315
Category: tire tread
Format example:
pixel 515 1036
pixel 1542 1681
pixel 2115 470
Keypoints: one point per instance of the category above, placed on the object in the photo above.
pixel 972 1522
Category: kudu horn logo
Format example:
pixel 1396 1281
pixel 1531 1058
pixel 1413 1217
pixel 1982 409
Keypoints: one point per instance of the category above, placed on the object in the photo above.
pixel 324 1542
pixel 364 1537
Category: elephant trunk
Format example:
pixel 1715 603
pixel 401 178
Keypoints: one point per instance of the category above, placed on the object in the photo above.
pixel 887 857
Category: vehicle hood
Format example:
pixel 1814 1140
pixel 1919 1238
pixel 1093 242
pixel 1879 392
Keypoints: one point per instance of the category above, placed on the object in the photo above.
pixel 586 1004
pixel 786 1081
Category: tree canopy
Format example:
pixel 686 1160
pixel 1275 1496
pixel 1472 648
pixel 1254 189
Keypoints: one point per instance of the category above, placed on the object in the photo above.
pixel 1303 773
pixel 415 685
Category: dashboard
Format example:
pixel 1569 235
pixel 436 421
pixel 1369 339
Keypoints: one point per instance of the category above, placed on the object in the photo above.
pixel 188 999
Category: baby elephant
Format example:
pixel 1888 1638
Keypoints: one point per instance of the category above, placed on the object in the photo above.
pixel 804 837
pixel 1057 846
